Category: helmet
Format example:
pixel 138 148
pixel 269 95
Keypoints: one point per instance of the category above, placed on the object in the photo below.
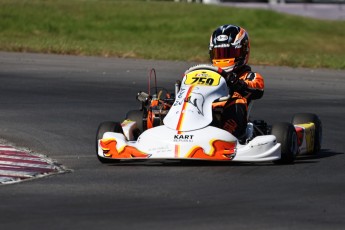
pixel 229 47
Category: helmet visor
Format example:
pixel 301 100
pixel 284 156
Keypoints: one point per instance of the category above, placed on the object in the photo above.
pixel 225 52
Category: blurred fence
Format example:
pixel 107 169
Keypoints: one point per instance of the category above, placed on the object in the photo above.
pixel 267 1
pixel 287 1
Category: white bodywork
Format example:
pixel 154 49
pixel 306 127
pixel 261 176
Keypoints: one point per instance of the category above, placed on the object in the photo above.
pixel 186 131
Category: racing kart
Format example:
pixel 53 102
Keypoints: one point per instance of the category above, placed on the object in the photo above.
pixel 184 125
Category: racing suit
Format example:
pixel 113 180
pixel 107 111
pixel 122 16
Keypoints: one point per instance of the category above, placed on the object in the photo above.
pixel 246 86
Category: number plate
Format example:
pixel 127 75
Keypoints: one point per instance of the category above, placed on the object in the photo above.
pixel 203 77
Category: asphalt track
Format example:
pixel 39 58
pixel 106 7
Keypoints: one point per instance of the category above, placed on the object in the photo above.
pixel 53 104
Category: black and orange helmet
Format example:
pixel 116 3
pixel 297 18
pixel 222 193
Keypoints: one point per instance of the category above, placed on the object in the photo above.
pixel 229 47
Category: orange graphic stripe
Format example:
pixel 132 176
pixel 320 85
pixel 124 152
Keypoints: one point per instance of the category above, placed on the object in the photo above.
pixel 180 121
pixel 177 151
pixel 221 150
pixel 109 150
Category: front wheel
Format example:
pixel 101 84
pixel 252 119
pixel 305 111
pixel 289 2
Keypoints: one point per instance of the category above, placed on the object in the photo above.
pixel 138 117
pixel 286 135
pixel 107 126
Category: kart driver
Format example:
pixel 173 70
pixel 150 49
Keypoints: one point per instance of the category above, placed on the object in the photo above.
pixel 229 49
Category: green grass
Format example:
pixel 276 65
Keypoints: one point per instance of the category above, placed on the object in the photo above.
pixel 165 30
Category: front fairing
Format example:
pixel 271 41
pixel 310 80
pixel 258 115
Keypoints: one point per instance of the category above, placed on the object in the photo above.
pixel 192 108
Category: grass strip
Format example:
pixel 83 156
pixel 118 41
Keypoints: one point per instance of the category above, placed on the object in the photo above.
pixel 165 30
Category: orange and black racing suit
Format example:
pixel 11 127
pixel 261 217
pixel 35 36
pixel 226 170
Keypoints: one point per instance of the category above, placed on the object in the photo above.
pixel 248 86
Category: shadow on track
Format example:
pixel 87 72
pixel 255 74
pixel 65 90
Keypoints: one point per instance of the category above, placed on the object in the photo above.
pixel 324 153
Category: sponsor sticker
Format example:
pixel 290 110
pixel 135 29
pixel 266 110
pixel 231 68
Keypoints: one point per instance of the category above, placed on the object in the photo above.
pixel 183 138
pixel 222 38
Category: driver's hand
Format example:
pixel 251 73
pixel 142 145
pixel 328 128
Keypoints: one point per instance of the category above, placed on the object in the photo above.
pixel 232 78
pixel 235 82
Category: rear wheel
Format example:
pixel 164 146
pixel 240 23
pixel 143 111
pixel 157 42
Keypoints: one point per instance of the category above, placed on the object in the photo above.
pixel 302 118
pixel 107 126
pixel 286 135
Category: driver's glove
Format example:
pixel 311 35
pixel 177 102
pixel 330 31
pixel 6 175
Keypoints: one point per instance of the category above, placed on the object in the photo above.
pixel 235 83
pixel 231 78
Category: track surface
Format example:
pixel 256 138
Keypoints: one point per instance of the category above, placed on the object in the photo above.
pixel 53 105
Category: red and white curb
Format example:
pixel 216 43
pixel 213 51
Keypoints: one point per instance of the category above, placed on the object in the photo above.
pixel 17 165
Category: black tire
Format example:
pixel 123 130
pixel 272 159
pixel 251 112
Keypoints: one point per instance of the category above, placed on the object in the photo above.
pixel 286 135
pixel 301 118
pixel 137 116
pixel 107 126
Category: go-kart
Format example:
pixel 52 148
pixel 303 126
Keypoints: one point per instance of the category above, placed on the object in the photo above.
pixel 183 125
